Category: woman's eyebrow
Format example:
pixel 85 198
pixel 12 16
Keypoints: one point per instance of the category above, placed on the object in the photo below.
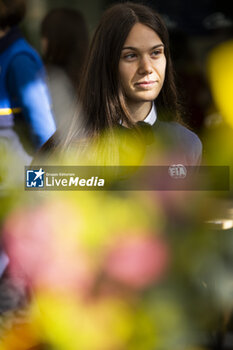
pixel 135 49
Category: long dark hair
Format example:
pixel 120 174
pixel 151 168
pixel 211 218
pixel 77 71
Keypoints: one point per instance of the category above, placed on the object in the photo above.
pixel 101 97
pixel 66 32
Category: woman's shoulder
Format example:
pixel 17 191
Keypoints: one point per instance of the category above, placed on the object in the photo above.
pixel 181 133
pixel 46 151
pixel 182 138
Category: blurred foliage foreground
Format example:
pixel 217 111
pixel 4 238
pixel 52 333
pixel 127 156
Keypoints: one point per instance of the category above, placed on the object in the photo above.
pixel 112 271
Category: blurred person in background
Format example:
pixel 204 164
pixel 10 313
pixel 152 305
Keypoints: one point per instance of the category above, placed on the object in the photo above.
pixel 26 119
pixel 64 43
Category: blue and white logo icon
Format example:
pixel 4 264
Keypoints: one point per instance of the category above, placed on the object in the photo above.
pixel 35 178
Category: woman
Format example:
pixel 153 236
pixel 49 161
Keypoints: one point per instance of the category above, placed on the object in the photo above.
pixel 128 78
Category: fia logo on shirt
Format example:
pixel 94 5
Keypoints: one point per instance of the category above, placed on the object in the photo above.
pixel 177 171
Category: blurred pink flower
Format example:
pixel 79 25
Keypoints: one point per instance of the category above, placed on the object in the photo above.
pixel 43 248
pixel 137 261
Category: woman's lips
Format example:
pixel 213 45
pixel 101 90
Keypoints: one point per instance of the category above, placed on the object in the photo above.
pixel 146 84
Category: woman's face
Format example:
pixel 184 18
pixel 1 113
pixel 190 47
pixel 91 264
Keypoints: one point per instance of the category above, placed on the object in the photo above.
pixel 142 66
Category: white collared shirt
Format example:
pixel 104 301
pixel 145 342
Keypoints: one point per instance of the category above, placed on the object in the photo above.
pixel 152 116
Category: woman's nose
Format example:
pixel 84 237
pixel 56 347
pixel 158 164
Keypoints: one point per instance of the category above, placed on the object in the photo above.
pixel 145 66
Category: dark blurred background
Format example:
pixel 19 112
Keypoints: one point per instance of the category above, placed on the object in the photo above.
pixel 196 18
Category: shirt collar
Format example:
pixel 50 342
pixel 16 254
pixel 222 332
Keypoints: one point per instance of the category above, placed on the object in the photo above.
pixel 152 116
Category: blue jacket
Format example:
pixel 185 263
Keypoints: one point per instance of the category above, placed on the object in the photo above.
pixel 24 98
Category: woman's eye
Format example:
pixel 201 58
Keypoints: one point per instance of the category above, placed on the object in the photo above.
pixel 130 56
pixel 156 53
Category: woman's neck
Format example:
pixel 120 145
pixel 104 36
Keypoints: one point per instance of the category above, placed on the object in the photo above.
pixel 139 111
